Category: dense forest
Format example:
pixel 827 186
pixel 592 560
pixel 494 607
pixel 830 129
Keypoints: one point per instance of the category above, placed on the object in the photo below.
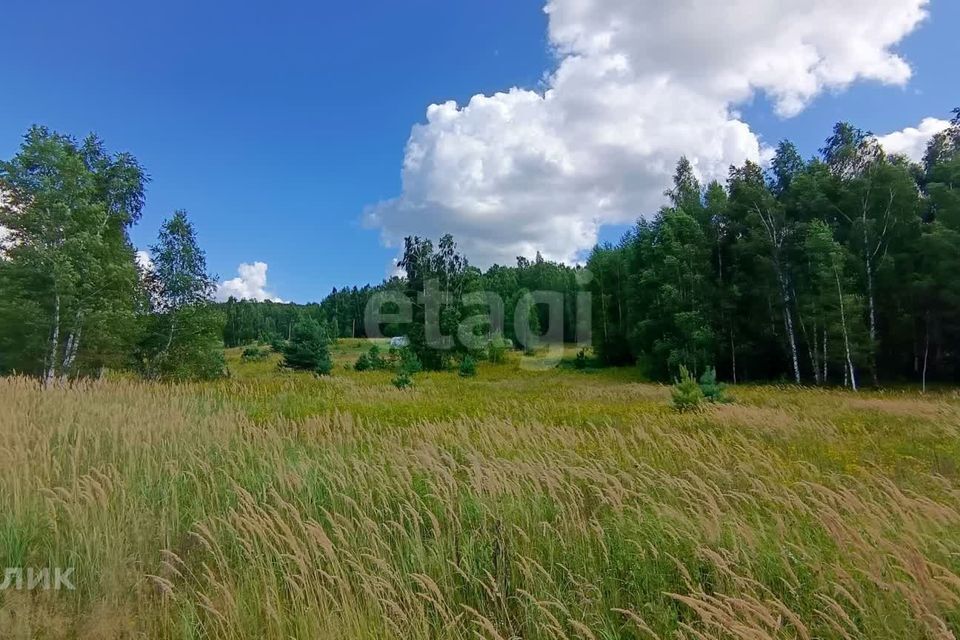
pixel 343 309
pixel 838 269
pixel 831 270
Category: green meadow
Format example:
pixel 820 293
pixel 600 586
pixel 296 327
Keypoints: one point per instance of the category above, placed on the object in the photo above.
pixel 516 504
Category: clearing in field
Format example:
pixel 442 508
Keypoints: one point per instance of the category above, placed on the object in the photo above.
pixel 556 504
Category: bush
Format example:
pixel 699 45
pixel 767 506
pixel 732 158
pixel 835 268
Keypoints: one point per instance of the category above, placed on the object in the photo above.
pixel 409 362
pixel 581 361
pixel 373 361
pixel 377 361
pixel 402 380
pixel 686 393
pixel 712 390
pixel 468 367
pixel 254 354
pixel 497 349
pixel 363 363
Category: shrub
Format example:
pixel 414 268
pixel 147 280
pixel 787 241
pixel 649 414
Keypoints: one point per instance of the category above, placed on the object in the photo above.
pixel 468 367
pixel 581 361
pixel 254 354
pixel 712 390
pixel 373 361
pixel 363 363
pixel 409 362
pixel 686 393
pixel 402 380
pixel 497 350
pixel 377 361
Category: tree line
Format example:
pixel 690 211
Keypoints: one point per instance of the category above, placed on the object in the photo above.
pixel 343 310
pixel 838 269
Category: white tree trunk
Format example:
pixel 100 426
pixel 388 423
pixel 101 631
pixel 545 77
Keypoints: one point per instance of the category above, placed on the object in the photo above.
pixel 73 347
pixel 846 338
pixel 54 352
pixel 825 354
pixel 788 322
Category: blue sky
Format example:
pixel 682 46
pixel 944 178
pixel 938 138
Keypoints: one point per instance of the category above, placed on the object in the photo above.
pixel 276 125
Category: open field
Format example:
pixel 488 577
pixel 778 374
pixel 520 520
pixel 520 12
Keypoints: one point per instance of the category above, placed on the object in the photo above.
pixel 556 504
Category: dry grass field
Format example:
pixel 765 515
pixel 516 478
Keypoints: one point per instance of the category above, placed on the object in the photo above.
pixel 519 504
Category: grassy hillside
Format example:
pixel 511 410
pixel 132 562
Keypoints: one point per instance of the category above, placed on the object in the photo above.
pixel 554 504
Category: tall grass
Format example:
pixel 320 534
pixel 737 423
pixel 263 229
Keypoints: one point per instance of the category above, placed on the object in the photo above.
pixel 549 505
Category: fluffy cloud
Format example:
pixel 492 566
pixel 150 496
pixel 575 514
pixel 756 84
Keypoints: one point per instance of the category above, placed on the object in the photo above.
pixel 638 83
pixel 144 260
pixel 251 284
pixel 912 141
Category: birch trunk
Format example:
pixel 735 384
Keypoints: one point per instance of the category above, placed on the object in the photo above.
pixel 825 378
pixel 788 323
pixel 73 347
pixel 846 339
pixel 51 372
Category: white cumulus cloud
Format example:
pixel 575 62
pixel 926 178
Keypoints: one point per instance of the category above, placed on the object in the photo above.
pixel 250 284
pixel 638 83
pixel 912 141
pixel 144 260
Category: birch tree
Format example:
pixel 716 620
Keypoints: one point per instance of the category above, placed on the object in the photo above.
pixel 184 334
pixel 69 279
pixel 770 226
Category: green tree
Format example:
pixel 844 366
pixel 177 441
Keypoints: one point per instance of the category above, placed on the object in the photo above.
pixel 435 282
pixel 308 348
pixel 877 205
pixel 768 238
pixel 68 280
pixel 183 338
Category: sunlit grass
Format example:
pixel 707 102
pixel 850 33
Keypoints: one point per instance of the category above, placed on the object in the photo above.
pixel 528 504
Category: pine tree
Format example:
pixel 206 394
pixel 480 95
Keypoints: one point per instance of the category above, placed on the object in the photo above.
pixel 308 348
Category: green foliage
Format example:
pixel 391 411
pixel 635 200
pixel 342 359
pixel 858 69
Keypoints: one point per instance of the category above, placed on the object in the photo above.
pixel 343 309
pixel 68 280
pixel 820 271
pixel 407 365
pixel 363 363
pixel 183 331
pixel 497 349
pixel 712 390
pixel 436 280
pixel 580 363
pixel 403 379
pixel 377 361
pixel 468 367
pixel 686 394
pixel 254 354
pixel 409 362
pixel 373 360
pixel 183 344
pixel 308 348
